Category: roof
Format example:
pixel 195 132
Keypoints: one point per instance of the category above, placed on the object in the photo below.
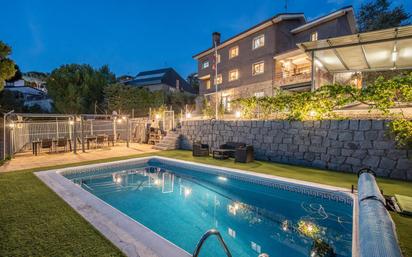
pixel 25 90
pixel 146 78
pixel 375 50
pixel 342 11
pixel 275 19
pixel 160 76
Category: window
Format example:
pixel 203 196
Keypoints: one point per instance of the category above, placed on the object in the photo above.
pixel 205 64
pixel 207 83
pixel 218 80
pixel 233 75
pixel 259 94
pixel 218 58
pixel 314 36
pixel 233 52
pixel 258 68
pixel 258 41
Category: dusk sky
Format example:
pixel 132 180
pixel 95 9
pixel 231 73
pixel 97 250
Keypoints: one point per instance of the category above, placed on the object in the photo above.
pixel 132 35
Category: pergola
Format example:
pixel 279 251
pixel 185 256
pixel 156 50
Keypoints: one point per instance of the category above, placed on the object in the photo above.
pixel 380 50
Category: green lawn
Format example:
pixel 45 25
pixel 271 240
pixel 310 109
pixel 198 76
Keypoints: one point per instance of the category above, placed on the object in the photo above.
pixel 34 221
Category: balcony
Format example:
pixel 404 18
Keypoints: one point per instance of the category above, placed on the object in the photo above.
pixel 293 70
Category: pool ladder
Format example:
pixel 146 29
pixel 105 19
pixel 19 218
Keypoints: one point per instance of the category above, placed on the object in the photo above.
pixel 205 236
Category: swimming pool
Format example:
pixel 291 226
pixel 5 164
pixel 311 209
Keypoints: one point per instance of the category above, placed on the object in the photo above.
pixel 255 214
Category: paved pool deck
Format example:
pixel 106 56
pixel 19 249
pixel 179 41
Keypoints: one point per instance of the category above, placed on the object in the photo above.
pixel 27 160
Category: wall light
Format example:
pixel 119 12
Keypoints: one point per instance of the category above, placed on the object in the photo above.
pixel 238 114
pixel 124 117
pixel 318 63
pixel 71 122
pixel 188 115
pixel 119 121
pixel 12 125
pixel 157 116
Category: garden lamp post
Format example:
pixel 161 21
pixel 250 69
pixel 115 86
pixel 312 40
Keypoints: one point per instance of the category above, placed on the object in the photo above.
pixel 4 132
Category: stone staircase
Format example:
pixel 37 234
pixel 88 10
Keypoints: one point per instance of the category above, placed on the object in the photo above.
pixel 170 142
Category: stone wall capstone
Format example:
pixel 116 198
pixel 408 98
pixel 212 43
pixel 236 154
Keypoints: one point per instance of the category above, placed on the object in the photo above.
pixel 340 145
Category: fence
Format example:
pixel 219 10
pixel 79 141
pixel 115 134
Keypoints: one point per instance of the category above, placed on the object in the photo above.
pixel 21 130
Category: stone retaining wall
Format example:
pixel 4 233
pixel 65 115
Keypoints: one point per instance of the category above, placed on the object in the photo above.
pixel 341 145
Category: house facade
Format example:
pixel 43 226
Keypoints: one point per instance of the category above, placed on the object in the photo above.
pixel 265 57
pixel 167 80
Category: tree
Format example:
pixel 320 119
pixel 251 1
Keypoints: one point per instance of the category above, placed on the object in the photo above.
pixel 76 88
pixel 377 14
pixel 11 101
pixel 17 75
pixel 127 98
pixel 7 69
pixel 193 80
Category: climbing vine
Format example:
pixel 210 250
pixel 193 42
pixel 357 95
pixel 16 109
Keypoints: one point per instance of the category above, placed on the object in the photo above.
pixel 381 95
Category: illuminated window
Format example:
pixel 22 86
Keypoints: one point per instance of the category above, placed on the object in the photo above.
pixel 314 36
pixel 258 41
pixel 258 68
pixel 233 52
pixel 218 58
pixel 207 83
pixel 205 64
pixel 260 94
pixel 233 75
pixel 218 80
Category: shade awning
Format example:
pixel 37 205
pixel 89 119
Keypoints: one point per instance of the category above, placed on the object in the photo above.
pixel 376 50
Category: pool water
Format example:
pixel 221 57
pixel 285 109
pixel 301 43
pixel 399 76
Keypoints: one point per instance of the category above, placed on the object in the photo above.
pixel 181 203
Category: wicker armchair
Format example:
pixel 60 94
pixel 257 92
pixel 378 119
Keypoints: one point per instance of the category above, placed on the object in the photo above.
pixel 244 154
pixel 200 149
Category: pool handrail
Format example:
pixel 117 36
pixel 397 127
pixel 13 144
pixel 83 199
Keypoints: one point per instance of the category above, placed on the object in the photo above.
pixel 205 236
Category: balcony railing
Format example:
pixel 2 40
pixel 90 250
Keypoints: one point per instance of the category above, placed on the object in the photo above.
pixel 292 79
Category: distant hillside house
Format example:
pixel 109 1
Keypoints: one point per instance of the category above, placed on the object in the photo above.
pixel 166 79
pixel 30 96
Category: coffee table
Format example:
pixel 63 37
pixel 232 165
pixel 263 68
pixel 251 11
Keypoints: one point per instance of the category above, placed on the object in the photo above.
pixel 221 154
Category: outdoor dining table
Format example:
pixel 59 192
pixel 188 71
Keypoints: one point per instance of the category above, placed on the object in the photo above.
pixel 36 144
pixel 90 139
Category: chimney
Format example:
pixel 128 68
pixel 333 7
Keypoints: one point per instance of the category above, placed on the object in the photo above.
pixel 215 38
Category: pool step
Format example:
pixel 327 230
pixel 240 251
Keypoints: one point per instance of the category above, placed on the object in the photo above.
pixel 170 142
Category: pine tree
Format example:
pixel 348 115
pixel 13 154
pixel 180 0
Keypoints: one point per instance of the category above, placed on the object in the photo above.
pixel 377 14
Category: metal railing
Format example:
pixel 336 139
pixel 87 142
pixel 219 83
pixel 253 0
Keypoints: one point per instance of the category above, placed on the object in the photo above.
pixel 206 236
